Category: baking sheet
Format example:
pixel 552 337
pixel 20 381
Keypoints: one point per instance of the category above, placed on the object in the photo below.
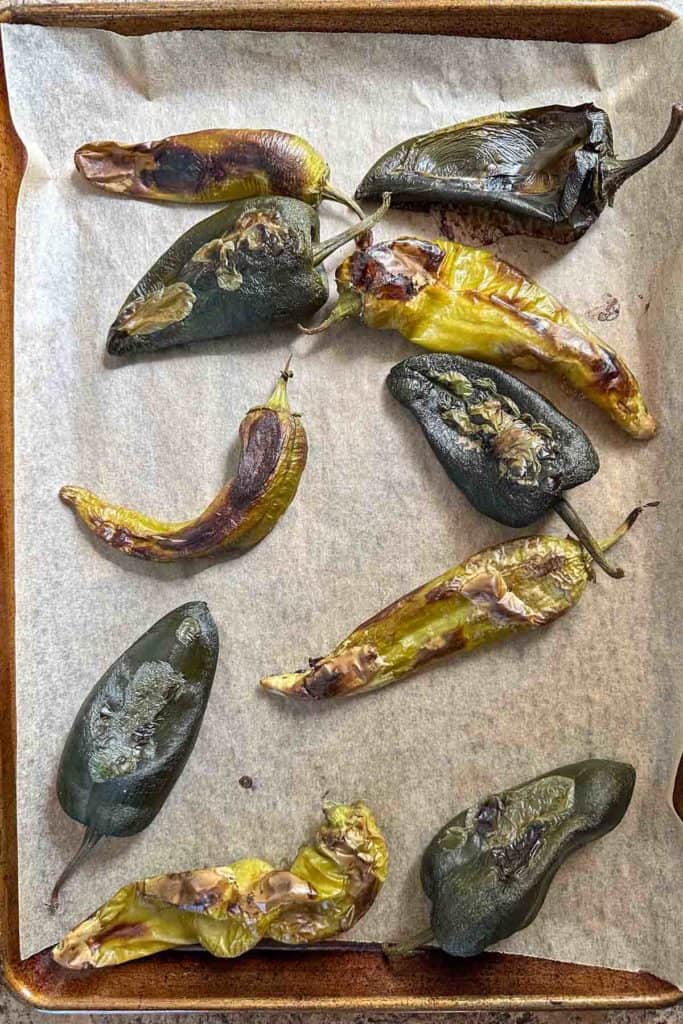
pixel 375 514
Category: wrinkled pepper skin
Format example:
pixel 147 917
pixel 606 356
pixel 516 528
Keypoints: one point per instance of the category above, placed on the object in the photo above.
pixel 255 263
pixel 488 871
pixel 549 172
pixel 272 461
pixel 136 728
pixel 449 297
pixel 503 444
pixel 508 449
pixel 329 886
pixel 212 166
pixel 506 589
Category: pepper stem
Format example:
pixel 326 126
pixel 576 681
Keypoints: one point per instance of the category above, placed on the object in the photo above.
pixel 90 839
pixel 330 192
pixel 325 249
pixel 349 303
pixel 410 946
pixel 592 546
pixel 605 545
pixel 279 400
pixel 616 172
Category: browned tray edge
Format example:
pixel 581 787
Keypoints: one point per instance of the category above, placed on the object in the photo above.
pixel 569 20
pixel 349 979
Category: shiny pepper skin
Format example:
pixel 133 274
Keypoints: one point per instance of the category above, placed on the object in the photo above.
pixel 273 458
pixel 136 729
pixel 448 297
pixel 212 166
pixel 549 172
pixel 328 887
pixel 519 585
pixel 255 263
pixel 488 871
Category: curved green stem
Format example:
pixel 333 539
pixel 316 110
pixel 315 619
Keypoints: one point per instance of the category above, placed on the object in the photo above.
pixel 616 172
pixel 325 249
pixel 349 303
pixel 90 840
pixel 592 546
pixel 330 192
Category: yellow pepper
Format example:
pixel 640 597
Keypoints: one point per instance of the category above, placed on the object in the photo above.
pixel 329 886
pixel 449 297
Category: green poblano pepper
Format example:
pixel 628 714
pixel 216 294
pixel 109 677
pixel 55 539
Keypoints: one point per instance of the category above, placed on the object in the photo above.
pixel 136 729
pixel 510 451
pixel 254 263
pixel 487 872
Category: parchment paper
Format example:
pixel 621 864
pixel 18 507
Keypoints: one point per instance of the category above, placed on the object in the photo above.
pixel 375 514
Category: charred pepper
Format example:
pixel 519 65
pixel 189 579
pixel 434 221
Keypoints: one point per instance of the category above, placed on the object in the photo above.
pixel 519 585
pixel 548 172
pixel 328 887
pixel 510 450
pixel 272 460
pixel 449 297
pixel 212 166
pixel 255 263
pixel 488 871
pixel 136 729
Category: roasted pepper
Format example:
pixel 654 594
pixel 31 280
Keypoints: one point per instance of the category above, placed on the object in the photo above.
pixel 549 171
pixel 212 166
pixel 510 451
pixel 519 585
pixel 254 263
pixel 451 298
pixel 328 887
pixel 273 457
pixel 136 729
pixel 487 872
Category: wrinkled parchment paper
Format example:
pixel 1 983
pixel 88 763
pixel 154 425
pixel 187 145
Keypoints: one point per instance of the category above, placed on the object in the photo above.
pixel 375 514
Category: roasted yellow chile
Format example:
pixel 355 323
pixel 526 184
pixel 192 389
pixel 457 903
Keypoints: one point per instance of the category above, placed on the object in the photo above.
pixel 212 166
pixel 273 457
pixel 522 584
pixel 449 297
pixel 328 887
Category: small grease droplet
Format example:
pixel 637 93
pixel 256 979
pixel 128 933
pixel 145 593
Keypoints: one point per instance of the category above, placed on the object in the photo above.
pixel 246 782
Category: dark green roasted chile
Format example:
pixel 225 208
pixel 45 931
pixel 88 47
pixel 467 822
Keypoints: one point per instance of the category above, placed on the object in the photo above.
pixel 136 729
pixel 549 171
pixel 510 451
pixel 255 263
pixel 488 871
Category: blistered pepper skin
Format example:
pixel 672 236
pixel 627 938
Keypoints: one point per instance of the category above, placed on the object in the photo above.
pixel 508 449
pixel 487 872
pixel 503 444
pixel 272 461
pixel 549 172
pixel 211 166
pixel 137 727
pixel 503 590
pixel 449 297
pixel 328 887
pixel 255 263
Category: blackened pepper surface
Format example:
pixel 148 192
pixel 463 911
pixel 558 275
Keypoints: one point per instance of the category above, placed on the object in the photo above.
pixel 548 171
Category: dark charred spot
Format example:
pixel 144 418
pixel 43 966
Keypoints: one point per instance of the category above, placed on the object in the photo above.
pixel 481 225
pixel 515 857
pixel 246 782
pixel 444 590
pixel 177 168
pixel 396 270
pixel 488 816
pixel 121 932
pixel 537 568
